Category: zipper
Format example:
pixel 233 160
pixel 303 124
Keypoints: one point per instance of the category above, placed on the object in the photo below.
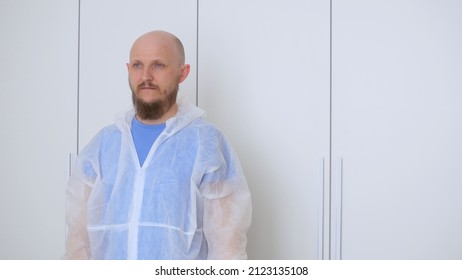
pixel 137 201
pixel 133 227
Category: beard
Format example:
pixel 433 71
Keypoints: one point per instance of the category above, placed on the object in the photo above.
pixel 156 109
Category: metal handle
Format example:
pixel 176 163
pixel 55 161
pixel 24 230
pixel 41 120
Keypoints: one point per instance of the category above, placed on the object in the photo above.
pixel 321 209
pixel 69 164
pixel 339 205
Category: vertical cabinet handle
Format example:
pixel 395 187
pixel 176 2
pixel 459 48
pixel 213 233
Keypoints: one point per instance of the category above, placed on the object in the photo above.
pixel 338 208
pixel 320 250
pixel 69 164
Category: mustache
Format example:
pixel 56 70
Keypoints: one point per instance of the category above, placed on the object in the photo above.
pixel 148 85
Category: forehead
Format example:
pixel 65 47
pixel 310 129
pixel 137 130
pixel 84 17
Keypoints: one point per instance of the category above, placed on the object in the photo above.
pixel 154 48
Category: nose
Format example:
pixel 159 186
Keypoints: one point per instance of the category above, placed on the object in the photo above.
pixel 147 74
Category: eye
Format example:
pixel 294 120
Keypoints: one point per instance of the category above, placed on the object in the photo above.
pixel 136 65
pixel 159 65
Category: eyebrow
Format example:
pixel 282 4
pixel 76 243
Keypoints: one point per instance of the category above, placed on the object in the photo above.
pixel 163 61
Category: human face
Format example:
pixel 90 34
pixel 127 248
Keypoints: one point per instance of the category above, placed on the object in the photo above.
pixel 155 73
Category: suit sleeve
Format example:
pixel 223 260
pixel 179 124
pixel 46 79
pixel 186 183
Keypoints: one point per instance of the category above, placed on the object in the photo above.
pixel 77 241
pixel 227 208
pixel 77 194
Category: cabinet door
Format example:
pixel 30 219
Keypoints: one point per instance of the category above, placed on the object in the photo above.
pixel 397 119
pixel 107 32
pixel 264 80
pixel 38 87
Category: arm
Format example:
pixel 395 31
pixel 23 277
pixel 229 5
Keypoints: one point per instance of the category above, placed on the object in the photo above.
pixel 227 206
pixel 226 221
pixel 77 242
pixel 77 194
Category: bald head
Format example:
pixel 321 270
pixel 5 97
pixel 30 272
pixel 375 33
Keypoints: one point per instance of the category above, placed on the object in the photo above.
pixel 159 42
pixel 156 68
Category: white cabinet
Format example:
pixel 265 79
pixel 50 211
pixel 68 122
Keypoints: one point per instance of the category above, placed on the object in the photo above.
pixel 395 122
pixel 397 128
pixel 264 80
pixel 107 32
pixel 38 87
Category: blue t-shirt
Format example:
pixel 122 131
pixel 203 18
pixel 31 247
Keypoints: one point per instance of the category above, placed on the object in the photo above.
pixel 144 136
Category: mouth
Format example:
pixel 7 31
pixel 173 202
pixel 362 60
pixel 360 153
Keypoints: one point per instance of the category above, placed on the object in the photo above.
pixel 148 90
pixel 145 86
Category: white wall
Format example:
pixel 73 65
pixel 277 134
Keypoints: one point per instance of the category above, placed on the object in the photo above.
pixel 38 88
pixel 264 79
pixel 397 119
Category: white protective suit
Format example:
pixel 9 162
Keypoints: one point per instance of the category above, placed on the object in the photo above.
pixel 189 200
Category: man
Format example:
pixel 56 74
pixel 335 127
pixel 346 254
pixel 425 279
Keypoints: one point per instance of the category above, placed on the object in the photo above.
pixel 160 183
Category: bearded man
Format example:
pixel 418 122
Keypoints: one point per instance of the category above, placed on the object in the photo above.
pixel 161 182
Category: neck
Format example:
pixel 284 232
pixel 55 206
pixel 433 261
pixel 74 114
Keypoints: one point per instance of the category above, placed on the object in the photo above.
pixel 171 112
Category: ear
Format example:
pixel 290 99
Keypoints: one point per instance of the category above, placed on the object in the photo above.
pixel 184 72
pixel 128 66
